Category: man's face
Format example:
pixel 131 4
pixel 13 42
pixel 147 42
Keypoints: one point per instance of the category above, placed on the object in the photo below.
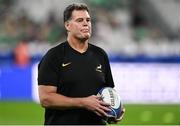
pixel 79 26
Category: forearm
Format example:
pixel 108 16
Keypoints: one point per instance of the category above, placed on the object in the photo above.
pixel 50 99
pixel 54 100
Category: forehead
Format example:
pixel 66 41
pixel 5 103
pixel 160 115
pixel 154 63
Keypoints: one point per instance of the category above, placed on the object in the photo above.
pixel 80 14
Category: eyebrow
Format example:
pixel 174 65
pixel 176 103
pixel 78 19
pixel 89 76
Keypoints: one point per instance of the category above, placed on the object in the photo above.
pixel 83 18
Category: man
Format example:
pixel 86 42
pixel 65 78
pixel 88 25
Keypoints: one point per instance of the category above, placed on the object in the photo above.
pixel 71 74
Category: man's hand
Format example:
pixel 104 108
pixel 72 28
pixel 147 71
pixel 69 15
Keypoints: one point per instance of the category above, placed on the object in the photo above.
pixel 114 121
pixel 93 103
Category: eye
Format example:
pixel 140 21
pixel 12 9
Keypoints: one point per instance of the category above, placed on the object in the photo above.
pixel 88 20
pixel 79 20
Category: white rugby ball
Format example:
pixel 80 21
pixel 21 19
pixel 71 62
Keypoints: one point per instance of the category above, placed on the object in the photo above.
pixel 109 95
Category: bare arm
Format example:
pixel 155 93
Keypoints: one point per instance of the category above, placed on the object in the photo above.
pixel 49 98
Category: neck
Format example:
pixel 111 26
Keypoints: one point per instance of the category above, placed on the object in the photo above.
pixel 78 45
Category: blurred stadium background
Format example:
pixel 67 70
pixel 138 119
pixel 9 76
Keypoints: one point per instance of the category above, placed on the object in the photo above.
pixel 142 38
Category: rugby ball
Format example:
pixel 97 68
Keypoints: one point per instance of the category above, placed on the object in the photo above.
pixel 109 95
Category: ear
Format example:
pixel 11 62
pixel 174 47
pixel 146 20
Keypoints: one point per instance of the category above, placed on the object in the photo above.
pixel 67 25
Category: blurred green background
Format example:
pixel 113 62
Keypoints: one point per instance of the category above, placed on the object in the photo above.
pixel 30 113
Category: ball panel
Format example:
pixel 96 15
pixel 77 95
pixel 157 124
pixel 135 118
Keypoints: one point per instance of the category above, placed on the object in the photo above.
pixel 109 95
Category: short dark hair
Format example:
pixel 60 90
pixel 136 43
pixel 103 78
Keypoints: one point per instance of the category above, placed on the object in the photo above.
pixel 75 6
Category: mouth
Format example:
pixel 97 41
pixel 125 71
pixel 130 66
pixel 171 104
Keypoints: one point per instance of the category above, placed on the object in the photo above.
pixel 85 30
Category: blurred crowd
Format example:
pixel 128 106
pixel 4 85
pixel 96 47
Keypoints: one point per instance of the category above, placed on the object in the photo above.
pixel 15 28
pixel 118 27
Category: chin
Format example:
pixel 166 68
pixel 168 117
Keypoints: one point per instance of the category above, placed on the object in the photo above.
pixel 84 38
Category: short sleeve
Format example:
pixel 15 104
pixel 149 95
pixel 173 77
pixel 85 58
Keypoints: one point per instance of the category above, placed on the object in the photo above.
pixel 48 70
pixel 108 73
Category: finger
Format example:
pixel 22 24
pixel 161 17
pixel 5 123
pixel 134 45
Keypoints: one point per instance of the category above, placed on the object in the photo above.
pixel 104 103
pixel 121 115
pixel 98 113
pixel 123 110
pixel 99 97
pixel 103 113
pixel 115 121
pixel 105 108
pixel 119 119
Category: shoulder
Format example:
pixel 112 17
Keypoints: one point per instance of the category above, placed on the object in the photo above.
pixel 54 53
pixel 56 50
pixel 97 50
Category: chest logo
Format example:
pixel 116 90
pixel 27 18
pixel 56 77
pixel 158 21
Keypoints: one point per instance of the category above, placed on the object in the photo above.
pixel 99 68
pixel 65 64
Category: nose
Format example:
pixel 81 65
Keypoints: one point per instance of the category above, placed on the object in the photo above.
pixel 85 23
